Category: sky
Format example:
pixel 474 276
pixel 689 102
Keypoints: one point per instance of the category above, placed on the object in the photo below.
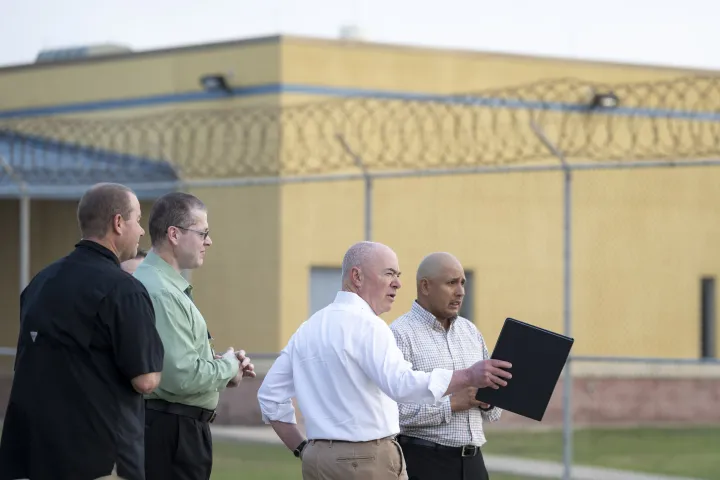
pixel 659 32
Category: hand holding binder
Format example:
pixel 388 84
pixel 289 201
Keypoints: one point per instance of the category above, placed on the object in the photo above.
pixel 538 357
pixel 490 373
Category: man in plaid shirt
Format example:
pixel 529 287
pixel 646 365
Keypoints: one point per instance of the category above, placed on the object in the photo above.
pixel 442 441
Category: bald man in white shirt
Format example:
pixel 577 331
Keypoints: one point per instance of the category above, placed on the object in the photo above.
pixel 348 375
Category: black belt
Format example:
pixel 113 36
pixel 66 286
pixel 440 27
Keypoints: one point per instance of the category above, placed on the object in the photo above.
pixel 391 438
pixel 464 451
pixel 197 413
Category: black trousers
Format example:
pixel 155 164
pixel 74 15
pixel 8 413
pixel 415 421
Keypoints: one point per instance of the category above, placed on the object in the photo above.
pixel 176 447
pixel 428 463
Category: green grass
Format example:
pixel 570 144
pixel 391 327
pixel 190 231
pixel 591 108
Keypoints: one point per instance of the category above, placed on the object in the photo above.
pixel 267 462
pixel 248 460
pixel 692 452
pixel 670 451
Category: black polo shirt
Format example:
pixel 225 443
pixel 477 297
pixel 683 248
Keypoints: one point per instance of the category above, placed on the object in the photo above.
pixel 86 329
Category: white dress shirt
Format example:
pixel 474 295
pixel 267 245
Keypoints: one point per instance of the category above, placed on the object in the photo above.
pixel 347 374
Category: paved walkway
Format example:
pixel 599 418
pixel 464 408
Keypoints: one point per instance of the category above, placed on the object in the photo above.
pixel 495 463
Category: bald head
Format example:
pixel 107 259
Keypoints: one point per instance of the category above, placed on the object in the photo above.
pixel 435 264
pixel 371 271
pixel 441 285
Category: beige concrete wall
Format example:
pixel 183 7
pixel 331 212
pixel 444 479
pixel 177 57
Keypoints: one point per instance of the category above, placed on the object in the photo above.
pixel 53 233
pixel 162 73
pixel 238 287
pixel 641 242
pixel 505 228
pixel 10 277
pixel 407 69
pixel 319 222
pixel 508 228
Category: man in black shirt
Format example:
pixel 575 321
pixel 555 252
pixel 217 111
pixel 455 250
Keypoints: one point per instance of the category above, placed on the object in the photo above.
pixel 87 352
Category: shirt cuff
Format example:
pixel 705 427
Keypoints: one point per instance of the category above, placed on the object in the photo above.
pixel 284 412
pixel 439 383
pixel 234 366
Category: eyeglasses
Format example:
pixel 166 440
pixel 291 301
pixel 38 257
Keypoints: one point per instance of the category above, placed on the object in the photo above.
pixel 203 234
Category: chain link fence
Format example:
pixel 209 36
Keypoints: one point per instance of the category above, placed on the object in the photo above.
pixel 561 124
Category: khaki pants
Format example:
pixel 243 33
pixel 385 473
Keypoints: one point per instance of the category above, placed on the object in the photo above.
pixel 337 460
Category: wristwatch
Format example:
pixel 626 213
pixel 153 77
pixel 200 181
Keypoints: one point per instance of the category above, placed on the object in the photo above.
pixel 300 448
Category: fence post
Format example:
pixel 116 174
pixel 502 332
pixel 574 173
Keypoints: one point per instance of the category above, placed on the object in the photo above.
pixel 567 298
pixel 368 186
pixel 24 221
pixel 567 320
pixel 24 240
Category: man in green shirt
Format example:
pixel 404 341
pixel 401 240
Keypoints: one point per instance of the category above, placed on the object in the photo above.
pixel 178 443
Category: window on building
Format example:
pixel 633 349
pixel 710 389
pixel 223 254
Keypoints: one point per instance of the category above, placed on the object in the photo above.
pixel 708 348
pixel 324 285
pixel 468 306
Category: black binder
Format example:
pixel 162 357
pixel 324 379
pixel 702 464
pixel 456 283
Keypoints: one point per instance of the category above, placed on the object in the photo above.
pixel 537 357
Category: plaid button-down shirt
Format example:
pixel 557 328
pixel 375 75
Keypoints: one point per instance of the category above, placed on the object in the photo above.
pixel 427 345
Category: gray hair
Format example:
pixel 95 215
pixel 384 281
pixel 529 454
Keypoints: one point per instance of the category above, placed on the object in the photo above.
pixel 357 255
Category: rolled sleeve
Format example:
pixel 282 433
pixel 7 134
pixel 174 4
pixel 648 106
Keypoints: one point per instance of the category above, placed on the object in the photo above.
pixel 492 415
pixel 439 382
pixel 416 415
pixel 277 390
pixel 278 412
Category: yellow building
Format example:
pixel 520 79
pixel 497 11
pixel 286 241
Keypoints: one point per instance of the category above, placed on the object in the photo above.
pixel 643 239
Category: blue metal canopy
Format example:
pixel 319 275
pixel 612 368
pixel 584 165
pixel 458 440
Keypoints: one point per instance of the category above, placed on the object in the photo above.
pixel 52 168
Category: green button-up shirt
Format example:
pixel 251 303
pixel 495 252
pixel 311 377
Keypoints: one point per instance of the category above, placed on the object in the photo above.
pixel 190 374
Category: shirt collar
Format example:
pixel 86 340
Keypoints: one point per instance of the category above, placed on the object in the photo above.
pixel 172 275
pixel 351 298
pixel 427 317
pixel 96 247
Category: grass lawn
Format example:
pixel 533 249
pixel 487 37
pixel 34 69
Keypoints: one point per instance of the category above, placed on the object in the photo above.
pixel 671 451
pixel 692 452
pixel 267 462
